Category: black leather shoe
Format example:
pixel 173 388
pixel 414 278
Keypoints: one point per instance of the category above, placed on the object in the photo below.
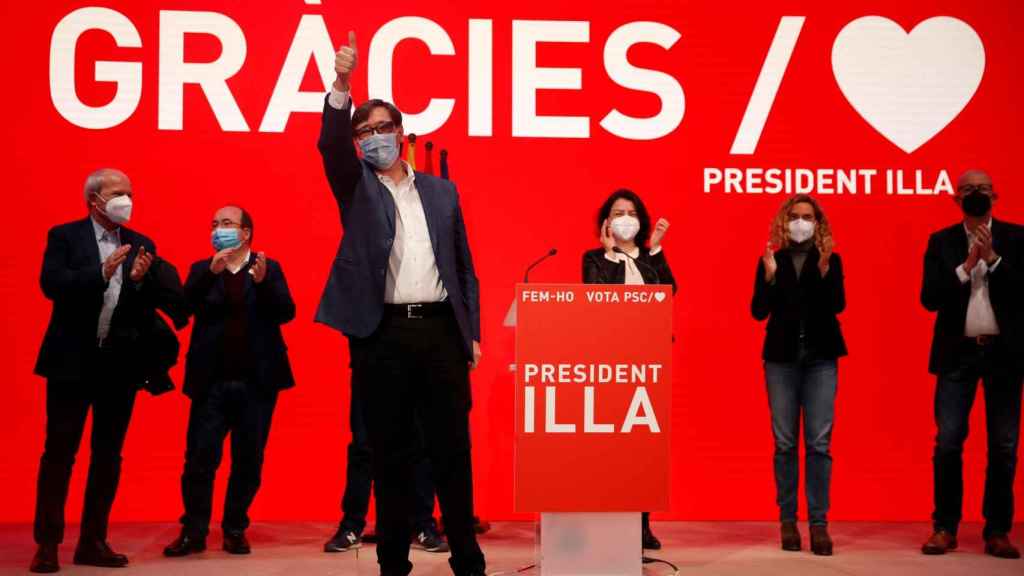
pixel 184 545
pixel 821 542
pixel 790 535
pixel 236 543
pixel 999 545
pixel 98 553
pixel 45 560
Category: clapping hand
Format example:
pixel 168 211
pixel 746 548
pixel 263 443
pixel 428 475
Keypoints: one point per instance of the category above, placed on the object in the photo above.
pixel 826 254
pixel 770 265
pixel 984 240
pixel 659 233
pixel 258 270
pixel 220 260
pixel 143 260
pixel 116 258
pixel 606 237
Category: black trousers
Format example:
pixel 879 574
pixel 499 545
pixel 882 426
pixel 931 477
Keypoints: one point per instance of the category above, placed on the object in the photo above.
pixel 228 406
pixel 67 405
pixel 408 370
pixel 954 397
pixel 359 473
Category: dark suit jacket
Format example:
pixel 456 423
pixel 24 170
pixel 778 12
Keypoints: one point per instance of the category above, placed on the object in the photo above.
pixel 813 298
pixel 269 305
pixel 942 292
pixel 72 278
pixel 158 346
pixel 353 300
pixel 599 270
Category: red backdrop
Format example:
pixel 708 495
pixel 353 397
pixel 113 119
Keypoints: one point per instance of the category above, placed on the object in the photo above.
pixel 522 195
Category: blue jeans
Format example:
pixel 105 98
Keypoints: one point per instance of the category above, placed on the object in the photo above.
pixel 954 396
pixel 807 385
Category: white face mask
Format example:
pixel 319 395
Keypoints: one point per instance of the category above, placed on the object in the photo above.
pixel 625 227
pixel 118 209
pixel 800 230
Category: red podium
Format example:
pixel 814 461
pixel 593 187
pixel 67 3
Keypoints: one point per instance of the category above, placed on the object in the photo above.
pixel 593 410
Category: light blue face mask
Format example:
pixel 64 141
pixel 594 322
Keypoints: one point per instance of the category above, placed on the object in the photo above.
pixel 380 150
pixel 224 238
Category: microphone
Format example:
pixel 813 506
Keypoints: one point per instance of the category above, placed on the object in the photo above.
pixel 657 277
pixel 526 276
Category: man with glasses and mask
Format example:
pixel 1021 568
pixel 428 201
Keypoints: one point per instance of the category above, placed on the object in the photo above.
pixel 237 363
pixel 95 273
pixel 974 280
pixel 403 290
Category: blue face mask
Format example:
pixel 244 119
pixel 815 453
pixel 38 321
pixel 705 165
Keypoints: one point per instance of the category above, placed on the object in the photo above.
pixel 224 238
pixel 380 150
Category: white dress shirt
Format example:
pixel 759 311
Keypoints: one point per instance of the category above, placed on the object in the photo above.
pixel 981 318
pixel 337 100
pixel 108 242
pixel 237 267
pixel 413 276
pixel 633 275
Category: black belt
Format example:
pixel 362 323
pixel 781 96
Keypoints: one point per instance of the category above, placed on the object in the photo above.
pixel 418 311
pixel 981 340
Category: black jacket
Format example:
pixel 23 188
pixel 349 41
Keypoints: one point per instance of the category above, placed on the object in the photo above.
pixel 353 300
pixel 599 270
pixel 158 347
pixel 813 298
pixel 942 292
pixel 72 278
pixel 269 305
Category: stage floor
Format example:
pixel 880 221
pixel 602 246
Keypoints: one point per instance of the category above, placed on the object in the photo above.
pixel 719 548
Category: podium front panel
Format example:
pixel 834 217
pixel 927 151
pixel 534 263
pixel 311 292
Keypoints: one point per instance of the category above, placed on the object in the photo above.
pixel 593 397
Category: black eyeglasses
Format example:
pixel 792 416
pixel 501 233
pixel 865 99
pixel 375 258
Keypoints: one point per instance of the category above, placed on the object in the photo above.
pixel 387 127
pixel 972 188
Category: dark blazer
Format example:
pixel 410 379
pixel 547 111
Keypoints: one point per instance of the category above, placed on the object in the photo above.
pixel 269 305
pixel 599 270
pixel 353 300
pixel 72 278
pixel 158 346
pixel 815 299
pixel 942 292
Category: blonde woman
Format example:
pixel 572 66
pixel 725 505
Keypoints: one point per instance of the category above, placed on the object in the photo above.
pixel 799 290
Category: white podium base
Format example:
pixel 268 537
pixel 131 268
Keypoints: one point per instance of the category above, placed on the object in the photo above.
pixel 590 544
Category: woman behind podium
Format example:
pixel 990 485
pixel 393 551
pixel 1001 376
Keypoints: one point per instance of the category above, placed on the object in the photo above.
pixel 623 226
pixel 799 289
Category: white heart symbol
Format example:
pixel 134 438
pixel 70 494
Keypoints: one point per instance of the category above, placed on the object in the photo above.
pixel 659 296
pixel 908 86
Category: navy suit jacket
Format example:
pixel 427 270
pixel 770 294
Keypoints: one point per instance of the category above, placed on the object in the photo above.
pixel 353 300
pixel 72 277
pixel 942 292
pixel 269 305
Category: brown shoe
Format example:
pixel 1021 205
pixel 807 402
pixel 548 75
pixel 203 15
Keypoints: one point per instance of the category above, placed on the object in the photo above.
pixel 821 542
pixel 790 536
pixel 999 546
pixel 939 543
